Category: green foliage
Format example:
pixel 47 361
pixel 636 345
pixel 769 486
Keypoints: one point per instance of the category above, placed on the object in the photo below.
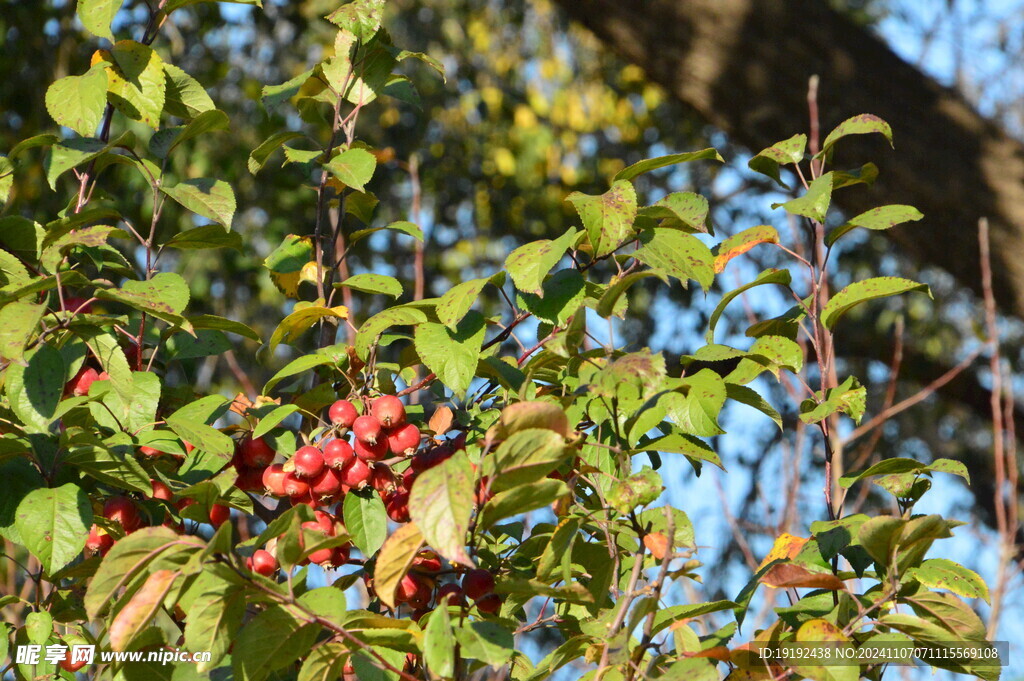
pixel 100 340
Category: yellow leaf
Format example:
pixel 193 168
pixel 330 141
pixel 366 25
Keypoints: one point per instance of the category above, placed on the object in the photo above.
pixel 394 560
pixel 786 547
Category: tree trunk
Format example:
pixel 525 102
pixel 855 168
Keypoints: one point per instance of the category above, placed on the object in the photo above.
pixel 744 66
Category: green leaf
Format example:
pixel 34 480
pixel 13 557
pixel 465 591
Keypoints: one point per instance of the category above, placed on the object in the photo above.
pixel 178 4
pixel 849 398
pixel 213 199
pixel 258 157
pixel 372 328
pixel 185 97
pixel 526 456
pixel 862 124
pixel 520 499
pixel 439 644
pixel 676 254
pixel 163 142
pixel 738 244
pixel 326 662
pixel 822 631
pixel 695 450
pixel 18 323
pixel 300 321
pixel 394 559
pixel 696 412
pixel 665 617
pixel 458 300
pixel 441 504
pixel 128 558
pixel 869 289
pixel 354 167
pixel 97 15
pixel 271 640
pixel 488 642
pixel 202 436
pixel 373 283
pixel 78 102
pixel 166 293
pixel 638 489
pixel 452 355
pixel 34 390
pixel 749 397
pixel 939 573
pixel 38 626
pixel 561 297
pixel 877 219
pixel 207 236
pixel 951 467
pixel 680 210
pixel 768 160
pixel 814 203
pixel 530 263
pixel 274 95
pixel 94 236
pixel 53 524
pixel 885 467
pixel 136 82
pixel 214 617
pixel 69 154
pixel 401 226
pixel 366 520
pixel 608 218
pixel 769 276
pixel 362 18
pixel 209 321
pixel 662 161
pixel 142 606
pixel 608 304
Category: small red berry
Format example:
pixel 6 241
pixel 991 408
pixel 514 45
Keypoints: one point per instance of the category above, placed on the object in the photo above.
pixel 343 413
pixel 477 583
pixel 356 474
pixel 309 462
pixel 341 554
pixel 408 477
pixel 389 410
pixel 250 479
pixel 325 522
pixel 382 478
pixel 122 510
pixel 337 453
pixel 149 452
pixel 491 604
pixel 218 514
pixel 367 429
pixel 411 588
pixel 98 541
pixel 397 505
pixel 294 487
pixel 451 594
pixel 79 385
pixel 427 561
pixel 264 563
pixel 306 499
pixel 273 480
pixel 161 491
pixel 326 485
pixel 67 665
pixel 256 453
pixel 404 440
pixel 374 452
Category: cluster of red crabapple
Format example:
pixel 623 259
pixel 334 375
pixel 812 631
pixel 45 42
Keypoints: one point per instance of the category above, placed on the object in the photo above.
pixel 320 476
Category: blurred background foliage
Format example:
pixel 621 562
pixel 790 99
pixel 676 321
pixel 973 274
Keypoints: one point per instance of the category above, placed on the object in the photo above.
pixel 532 109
